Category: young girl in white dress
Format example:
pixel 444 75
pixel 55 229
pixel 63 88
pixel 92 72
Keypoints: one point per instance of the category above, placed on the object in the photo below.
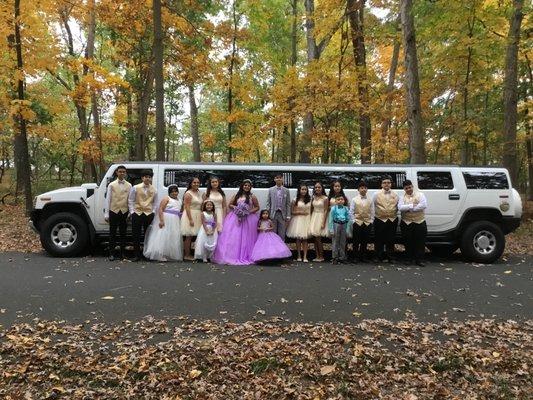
pixel 215 193
pixel 163 238
pixel 206 241
pixel 300 218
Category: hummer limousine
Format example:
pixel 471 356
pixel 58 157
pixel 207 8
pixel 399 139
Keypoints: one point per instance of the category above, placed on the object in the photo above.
pixel 469 208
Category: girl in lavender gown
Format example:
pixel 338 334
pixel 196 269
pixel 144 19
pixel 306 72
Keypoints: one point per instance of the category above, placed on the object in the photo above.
pixel 269 245
pixel 237 239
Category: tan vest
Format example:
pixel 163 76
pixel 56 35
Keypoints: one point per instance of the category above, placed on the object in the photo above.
pixel 386 206
pixel 144 201
pixel 119 196
pixel 362 210
pixel 413 216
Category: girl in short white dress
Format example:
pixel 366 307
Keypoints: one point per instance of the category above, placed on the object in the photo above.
pixel 300 218
pixel 215 193
pixel 318 226
pixel 163 237
pixel 206 241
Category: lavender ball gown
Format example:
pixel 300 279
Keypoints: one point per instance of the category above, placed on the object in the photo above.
pixel 269 245
pixel 237 239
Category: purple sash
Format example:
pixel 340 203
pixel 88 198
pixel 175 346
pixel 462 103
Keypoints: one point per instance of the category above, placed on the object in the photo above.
pixel 173 212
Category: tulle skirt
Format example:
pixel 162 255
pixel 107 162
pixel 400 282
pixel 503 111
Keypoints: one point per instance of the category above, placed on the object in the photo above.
pixel 205 244
pixel 269 246
pixel 315 225
pixel 236 241
pixel 163 244
pixel 299 227
pixel 186 228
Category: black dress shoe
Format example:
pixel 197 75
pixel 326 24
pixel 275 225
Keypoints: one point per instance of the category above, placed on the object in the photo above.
pixel 420 263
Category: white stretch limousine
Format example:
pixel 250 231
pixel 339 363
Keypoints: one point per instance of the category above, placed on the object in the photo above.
pixel 468 207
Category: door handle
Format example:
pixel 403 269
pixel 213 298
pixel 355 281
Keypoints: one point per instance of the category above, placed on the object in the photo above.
pixel 454 197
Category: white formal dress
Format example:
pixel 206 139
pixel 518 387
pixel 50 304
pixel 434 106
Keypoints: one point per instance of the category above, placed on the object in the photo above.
pixel 162 244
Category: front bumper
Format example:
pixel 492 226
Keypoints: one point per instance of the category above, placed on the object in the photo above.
pixel 34 222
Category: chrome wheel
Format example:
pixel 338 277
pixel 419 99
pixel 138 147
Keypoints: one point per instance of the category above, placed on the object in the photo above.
pixel 484 242
pixel 64 235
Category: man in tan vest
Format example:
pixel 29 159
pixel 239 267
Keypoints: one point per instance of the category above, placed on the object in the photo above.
pixel 412 205
pixel 362 215
pixel 386 220
pixel 142 206
pixel 116 210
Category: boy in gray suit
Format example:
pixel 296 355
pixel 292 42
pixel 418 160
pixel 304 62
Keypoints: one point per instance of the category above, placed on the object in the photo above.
pixel 279 205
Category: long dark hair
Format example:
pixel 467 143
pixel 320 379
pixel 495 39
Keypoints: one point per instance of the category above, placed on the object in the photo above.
pixel 323 189
pixel 242 192
pixel 209 187
pixel 261 216
pixel 332 193
pixel 306 198
pixel 189 186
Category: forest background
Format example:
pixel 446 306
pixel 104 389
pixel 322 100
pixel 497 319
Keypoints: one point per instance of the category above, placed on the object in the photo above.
pixel 87 83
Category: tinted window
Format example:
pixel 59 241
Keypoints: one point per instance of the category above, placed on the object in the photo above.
pixel 435 180
pixel 133 176
pixel 181 177
pixel 486 180
pixel 373 179
pixel 349 179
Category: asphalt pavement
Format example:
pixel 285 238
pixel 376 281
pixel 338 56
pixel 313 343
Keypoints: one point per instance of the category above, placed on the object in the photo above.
pixel 94 289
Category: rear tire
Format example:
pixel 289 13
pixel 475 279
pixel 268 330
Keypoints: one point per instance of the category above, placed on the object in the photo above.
pixel 482 242
pixel 64 235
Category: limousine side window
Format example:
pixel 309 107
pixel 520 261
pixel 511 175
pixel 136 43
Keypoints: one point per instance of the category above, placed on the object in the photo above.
pixel 486 180
pixel 373 179
pixel 228 178
pixel 348 179
pixel 181 177
pixel 435 180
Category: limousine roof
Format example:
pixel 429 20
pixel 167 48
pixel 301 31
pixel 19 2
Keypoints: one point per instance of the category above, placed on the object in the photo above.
pixel 307 165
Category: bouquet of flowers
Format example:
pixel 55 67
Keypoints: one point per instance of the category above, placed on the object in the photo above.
pixel 242 210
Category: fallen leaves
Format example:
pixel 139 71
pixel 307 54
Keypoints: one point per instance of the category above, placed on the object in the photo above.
pixel 270 359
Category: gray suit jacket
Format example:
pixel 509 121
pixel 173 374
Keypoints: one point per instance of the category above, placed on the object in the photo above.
pixel 286 203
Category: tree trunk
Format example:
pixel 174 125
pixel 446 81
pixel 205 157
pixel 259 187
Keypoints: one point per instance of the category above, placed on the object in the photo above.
pixel 22 160
pixel 355 10
pixel 510 93
pixel 194 125
pixel 465 148
pixel 294 60
pixel 159 83
pixel 143 105
pixel 414 110
pixel 385 123
pixel 230 79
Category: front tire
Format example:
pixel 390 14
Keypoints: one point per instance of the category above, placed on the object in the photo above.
pixel 482 242
pixel 64 235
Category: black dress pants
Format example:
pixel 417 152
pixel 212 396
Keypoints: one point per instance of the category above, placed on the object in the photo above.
pixel 139 224
pixel 360 237
pixel 385 233
pixel 117 221
pixel 414 239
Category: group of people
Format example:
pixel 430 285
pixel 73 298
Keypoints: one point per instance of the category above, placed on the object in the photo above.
pixel 237 232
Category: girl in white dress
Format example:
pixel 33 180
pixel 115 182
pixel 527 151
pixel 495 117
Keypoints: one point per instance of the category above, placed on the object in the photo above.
pixel 318 226
pixel 206 241
pixel 191 220
pixel 215 193
pixel 300 218
pixel 163 238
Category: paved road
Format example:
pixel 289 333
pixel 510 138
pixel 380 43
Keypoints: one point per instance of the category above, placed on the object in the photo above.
pixel 91 288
